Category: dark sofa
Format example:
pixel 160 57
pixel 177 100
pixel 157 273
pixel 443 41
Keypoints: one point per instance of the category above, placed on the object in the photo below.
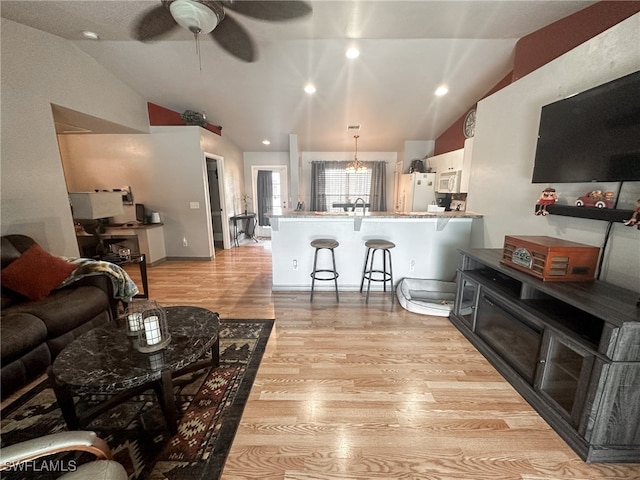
pixel 33 332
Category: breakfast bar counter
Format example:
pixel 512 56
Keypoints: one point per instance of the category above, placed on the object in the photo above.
pixel 426 244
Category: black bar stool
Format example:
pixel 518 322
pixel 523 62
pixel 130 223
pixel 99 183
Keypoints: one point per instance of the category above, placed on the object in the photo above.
pixel 320 244
pixel 376 275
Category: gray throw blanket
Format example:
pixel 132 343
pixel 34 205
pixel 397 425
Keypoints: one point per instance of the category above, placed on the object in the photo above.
pixel 123 287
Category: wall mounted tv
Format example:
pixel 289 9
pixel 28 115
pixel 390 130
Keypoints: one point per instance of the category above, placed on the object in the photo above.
pixel 593 136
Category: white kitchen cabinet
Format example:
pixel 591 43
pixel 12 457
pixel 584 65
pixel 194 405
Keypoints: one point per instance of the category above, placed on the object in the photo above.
pixel 447 161
pixel 456 160
pixel 466 165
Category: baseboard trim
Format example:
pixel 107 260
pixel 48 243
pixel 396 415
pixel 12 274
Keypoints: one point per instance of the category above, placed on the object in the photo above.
pixel 189 259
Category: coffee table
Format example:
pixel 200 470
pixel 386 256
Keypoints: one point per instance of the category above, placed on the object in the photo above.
pixel 104 361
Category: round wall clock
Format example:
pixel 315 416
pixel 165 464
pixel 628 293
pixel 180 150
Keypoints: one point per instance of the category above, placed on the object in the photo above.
pixel 469 125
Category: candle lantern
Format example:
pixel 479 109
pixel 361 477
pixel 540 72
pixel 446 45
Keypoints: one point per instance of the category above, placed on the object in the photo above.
pixel 133 316
pixel 153 334
pixel 156 360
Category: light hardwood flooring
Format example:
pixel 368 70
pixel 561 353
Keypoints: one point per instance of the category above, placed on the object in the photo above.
pixel 354 391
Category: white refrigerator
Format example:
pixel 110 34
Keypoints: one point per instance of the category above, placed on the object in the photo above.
pixel 417 191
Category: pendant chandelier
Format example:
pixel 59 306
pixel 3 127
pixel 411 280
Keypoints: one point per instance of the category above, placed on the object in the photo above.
pixel 356 165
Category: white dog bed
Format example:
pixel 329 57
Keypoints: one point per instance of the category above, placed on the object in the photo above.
pixel 427 297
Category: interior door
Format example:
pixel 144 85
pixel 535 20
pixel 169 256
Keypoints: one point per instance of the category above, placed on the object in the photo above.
pixel 280 199
pixel 214 200
pixel 219 224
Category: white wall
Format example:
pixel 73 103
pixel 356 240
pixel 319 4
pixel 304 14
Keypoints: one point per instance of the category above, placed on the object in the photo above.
pixel 416 150
pixel 295 171
pixel 166 171
pixel 228 154
pixel 106 162
pixel 504 149
pixel 263 159
pixel 38 70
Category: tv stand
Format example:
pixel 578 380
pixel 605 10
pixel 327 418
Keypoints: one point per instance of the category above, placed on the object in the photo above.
pixel 571 349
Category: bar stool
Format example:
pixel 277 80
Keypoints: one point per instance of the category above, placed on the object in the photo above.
pixel 368 272
pixel 320 244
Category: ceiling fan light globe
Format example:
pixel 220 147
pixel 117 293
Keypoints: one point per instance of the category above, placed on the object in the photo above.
pixel 194 16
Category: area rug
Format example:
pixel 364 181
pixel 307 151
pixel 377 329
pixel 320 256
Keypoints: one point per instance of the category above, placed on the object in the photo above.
pixel 211 403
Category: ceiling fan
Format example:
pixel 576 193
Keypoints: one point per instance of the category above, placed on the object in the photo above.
pixel 209 17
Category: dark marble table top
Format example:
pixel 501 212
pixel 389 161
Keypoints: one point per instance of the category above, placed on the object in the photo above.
pixel 104 360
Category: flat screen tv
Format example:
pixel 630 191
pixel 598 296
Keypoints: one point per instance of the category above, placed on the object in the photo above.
pixel 593 136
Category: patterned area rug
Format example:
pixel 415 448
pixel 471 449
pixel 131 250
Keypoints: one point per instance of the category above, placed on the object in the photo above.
pixel 211 403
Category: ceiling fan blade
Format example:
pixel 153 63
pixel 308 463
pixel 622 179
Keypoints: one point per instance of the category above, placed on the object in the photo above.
pixel 276 10
pixel 153 24
pixel 231 36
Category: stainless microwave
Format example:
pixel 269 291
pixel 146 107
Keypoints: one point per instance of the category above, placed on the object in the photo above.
pixel 448 181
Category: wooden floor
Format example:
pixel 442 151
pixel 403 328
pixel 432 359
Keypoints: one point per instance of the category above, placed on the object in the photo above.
pixel 356 391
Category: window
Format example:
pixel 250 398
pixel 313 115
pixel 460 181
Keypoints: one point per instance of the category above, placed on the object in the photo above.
pixel 276 201
pixel 342 187
pixel 332 186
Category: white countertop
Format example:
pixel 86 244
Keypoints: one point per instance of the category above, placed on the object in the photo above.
pixel 367 215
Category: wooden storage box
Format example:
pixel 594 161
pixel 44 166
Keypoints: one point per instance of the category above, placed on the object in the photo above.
pixel 551 259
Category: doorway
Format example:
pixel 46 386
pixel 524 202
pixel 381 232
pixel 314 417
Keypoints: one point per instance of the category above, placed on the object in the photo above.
pixel 279 196
pixel 215 180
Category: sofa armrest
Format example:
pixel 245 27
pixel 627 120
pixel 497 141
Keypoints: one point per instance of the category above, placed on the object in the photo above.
pixel 104 283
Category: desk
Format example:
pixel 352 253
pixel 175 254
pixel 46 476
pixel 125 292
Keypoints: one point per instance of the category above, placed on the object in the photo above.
pixel 149 238
pixel 249 220
pixel 140 239
pixel 349 206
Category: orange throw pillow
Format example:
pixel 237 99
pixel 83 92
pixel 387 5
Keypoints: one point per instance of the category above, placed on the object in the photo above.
pixel 35 273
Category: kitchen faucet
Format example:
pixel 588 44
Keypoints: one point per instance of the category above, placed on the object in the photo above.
pixel 355 204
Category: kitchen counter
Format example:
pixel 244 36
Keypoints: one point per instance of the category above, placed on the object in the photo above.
pixel 305 214
pixel 426 245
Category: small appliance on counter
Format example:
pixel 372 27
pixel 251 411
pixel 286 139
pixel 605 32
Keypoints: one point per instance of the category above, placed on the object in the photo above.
pixel 458 202
pixel 145 216
pixel 154 217
pixel 444 200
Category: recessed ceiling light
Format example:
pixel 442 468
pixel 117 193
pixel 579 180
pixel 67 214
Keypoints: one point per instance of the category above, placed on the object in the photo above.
pixel 266 142
pixel 353 53
pixel 441 90
pixel 90 35
pixel 309 88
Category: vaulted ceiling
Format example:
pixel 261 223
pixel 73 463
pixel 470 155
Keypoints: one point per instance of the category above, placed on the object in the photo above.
pixel 408 49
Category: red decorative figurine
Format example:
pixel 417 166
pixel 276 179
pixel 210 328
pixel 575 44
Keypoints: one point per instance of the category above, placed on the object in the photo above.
pixel 634 220
pixel 547 197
